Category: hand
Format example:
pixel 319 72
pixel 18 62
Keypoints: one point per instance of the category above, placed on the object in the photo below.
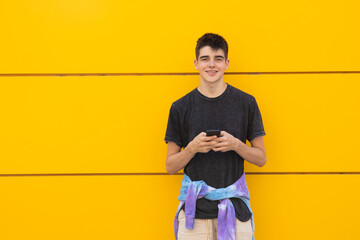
pixel 225 142
pixel 202 143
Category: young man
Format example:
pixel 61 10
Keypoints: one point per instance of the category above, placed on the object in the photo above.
pixel 214 196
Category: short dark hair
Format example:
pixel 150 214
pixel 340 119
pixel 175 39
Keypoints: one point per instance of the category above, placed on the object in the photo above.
pixel 212 40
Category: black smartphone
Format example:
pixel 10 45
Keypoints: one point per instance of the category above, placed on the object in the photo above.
pixel 213 132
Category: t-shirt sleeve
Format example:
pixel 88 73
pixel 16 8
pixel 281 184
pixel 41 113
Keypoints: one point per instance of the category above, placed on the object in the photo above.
pixel 255 124
pixel 173 130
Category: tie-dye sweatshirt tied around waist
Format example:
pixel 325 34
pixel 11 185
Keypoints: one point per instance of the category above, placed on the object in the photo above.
pixel 192 190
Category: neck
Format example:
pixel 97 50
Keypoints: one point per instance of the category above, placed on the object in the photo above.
pixel 212 90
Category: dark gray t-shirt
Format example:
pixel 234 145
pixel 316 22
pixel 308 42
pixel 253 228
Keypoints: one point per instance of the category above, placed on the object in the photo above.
pixel 235 112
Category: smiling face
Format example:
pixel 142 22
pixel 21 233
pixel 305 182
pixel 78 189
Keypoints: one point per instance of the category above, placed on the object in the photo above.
pixel 211 65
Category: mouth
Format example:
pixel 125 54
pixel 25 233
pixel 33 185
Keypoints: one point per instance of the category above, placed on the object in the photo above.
pixel 211 72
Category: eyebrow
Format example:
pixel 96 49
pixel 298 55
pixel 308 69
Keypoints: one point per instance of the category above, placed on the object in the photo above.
pixel 217 56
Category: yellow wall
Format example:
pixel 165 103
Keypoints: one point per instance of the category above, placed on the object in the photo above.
pixel 86 88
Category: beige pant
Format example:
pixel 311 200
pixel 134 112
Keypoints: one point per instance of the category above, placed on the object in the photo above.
pixel 206 229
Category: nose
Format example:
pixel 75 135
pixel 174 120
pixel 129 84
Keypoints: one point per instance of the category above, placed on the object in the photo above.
pixel 211 62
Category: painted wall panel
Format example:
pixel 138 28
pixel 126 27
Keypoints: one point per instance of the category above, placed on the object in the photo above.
pixel 160 36
pixel 118 124
pixel 113 207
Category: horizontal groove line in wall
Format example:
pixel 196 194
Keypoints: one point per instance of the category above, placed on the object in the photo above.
pixel 146 174
pixel 166 74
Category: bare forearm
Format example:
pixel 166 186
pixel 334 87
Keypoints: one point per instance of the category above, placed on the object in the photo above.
pixel 178 161
pixel 251 154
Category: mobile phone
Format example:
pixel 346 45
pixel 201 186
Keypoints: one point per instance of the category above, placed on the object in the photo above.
pixel 213 132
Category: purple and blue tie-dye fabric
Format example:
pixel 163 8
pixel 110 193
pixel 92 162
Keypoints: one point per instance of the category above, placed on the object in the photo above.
pixel 192 190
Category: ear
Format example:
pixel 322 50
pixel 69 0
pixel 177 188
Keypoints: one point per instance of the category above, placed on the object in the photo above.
pixel 196 63
pixel 227 64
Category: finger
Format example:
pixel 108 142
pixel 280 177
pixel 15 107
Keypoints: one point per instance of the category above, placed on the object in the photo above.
pixel 210 138
pixel 211 144
pixel 221 139
pixel 219 149
pixel 219 144
pixel 206 149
